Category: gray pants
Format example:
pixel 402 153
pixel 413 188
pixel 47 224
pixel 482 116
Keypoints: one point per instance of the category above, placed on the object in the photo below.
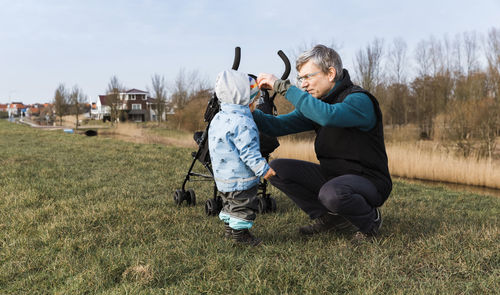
pixel 239 208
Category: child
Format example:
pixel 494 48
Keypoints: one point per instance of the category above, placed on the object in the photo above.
pixel 233 141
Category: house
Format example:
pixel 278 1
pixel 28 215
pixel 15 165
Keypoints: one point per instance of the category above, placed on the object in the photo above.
pixel 100 110
pixel 3 107
pixel 16 109
pixel 135 105
pixel 152 107
pixel 34 109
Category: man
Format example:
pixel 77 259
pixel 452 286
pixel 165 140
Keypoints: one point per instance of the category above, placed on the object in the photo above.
pixel 344 191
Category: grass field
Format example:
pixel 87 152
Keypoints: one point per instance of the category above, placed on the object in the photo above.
pixel 89 215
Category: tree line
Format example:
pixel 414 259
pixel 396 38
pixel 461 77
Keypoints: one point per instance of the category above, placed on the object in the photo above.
pixel 187 86
pixel 454 94
pixel 448 88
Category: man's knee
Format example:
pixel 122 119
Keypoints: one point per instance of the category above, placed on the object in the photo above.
pixel 334 198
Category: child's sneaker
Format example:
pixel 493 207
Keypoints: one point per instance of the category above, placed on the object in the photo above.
pixel 243 236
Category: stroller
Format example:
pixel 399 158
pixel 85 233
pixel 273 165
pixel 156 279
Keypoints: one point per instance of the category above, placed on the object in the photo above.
pixel 267 145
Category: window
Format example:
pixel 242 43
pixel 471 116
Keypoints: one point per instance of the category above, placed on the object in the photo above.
pixel 141 96
pixel 131 96
pixel 136 106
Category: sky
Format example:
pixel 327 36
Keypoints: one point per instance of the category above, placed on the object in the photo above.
pixel 47 42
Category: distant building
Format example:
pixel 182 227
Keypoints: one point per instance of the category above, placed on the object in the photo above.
pixel 34 109
pixel 100 109
pixel 16 109
pixel 135 105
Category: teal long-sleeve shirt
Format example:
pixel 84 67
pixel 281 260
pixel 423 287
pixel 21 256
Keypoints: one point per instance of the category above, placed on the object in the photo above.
pixel 355 111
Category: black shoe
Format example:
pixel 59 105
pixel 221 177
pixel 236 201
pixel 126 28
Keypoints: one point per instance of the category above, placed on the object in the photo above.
pixel 361 237
pixel 327 222
pixel 227 231
pixel 243 236
pixel 377 221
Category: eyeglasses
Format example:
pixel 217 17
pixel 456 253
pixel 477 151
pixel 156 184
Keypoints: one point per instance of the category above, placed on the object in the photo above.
pixel 306 77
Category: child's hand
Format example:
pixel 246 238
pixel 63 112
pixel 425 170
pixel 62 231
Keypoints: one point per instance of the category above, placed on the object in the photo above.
pixel 270 173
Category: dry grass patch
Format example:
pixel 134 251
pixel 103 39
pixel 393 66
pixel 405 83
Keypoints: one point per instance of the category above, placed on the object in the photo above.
pixel 295 149
pixel 141 274
pixel 428 161
pixel 131 132
pixel 422 160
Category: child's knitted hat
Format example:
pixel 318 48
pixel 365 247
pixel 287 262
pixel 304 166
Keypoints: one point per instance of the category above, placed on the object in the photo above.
pixel 254 88
pixel 235 87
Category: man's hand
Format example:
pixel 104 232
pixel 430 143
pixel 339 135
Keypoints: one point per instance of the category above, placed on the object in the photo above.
pixel 266 81
pixel 270 173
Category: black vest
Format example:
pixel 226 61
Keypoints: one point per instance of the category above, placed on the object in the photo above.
pixel 350 150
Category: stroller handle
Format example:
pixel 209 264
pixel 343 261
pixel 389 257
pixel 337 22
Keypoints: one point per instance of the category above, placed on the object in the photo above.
pixel 237 57
pixel 287 65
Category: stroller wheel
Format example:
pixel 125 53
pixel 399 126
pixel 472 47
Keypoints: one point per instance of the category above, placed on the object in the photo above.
pixel 272 204
pixel 218 201
pixel 178 197
pixel 263 208
pixel 211 207
pixel 191 197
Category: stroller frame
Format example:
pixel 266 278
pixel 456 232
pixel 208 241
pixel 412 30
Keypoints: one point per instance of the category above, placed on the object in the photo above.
pixel 214 204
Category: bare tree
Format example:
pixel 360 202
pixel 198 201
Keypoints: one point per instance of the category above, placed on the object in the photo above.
pixel 448 55
pixel 436 59
pixel 369 63
pixel 47 112
pixel 397 61
pixel 77 98
pixel 493 57
pixel 395 102
pixel 422 58
pixel 459 131
pixel 113 98
pixel 185 85
pixel 487 126
pixel 180 91
pixel 470 49
pixel 159 89
pixel 61 102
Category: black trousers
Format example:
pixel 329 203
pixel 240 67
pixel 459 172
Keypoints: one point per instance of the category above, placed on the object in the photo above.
pixel 351 196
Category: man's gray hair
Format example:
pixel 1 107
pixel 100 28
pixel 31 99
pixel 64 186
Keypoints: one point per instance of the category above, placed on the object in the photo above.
pixel 324 57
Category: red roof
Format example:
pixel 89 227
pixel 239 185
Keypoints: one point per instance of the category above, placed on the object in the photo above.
pixel 16 105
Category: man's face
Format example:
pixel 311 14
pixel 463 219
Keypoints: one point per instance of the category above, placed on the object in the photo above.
pixel 314 81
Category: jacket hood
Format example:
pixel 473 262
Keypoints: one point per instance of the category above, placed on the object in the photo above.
pixel 233 87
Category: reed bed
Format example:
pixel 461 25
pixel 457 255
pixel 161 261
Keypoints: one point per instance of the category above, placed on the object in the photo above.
pixel 415 161
pixel 295 149
pixel 430 163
